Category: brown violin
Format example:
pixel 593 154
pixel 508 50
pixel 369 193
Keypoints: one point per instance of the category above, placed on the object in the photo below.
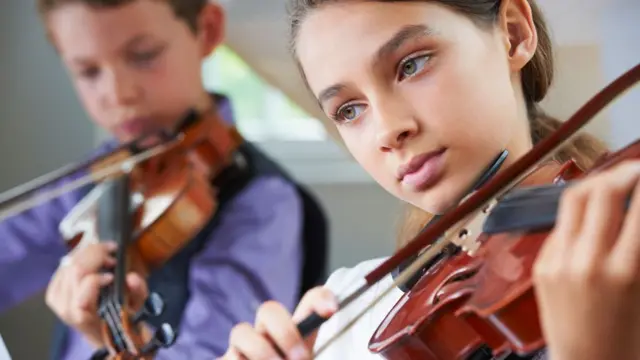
pixel 481 305
pixel 151 197
pixel 475 300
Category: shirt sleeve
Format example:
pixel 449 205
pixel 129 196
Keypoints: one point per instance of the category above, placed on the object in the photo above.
pixel 254 255
pixel 31 244
pixel 31 248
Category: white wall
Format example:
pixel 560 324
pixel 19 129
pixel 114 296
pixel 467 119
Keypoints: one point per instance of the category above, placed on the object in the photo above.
pixel 41 127
pixel 571 89
pixel 621 51
pixel 40 118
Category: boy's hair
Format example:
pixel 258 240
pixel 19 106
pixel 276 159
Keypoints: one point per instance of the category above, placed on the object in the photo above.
pixel 187 10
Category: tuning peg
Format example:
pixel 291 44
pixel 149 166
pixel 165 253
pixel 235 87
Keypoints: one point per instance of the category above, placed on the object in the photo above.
pixel 164 337
pixel 153 306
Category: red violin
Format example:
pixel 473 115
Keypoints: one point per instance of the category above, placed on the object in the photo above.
pixel 481 305
pixel 478 301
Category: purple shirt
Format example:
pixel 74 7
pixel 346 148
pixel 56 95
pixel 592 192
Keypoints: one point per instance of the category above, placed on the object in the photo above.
pixel 257 243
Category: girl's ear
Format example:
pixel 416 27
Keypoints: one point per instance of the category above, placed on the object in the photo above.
pixel 518 31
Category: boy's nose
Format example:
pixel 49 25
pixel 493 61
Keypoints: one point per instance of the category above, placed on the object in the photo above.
pixel 123 90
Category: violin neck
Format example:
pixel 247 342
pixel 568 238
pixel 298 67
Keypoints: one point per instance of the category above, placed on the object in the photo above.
pixel 115 224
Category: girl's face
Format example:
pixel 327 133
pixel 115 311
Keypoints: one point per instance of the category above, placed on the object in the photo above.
pixel 423 98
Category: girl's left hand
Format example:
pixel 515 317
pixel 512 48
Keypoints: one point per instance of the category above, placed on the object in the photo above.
pixel 587 275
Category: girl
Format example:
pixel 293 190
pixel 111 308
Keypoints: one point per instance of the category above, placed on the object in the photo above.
pixel 425 94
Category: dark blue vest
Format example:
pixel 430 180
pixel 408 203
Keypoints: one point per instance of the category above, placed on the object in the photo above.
pixel 171 280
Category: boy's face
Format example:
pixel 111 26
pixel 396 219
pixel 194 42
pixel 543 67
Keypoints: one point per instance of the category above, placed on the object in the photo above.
pixel 136 67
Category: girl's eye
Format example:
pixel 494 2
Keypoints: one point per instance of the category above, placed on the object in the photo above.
pixel 412 66
pixel 348 112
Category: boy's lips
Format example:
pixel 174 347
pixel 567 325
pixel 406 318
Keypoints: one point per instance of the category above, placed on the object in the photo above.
pixel 136 126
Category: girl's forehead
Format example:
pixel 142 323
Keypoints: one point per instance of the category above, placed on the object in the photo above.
pixel 336 40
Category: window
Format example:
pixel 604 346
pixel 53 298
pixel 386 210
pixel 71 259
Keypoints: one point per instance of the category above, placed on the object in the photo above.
pixel 265 116
pixel 263 113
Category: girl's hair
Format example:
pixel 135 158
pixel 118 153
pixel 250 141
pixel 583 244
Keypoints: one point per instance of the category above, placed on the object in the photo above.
pixel 537 76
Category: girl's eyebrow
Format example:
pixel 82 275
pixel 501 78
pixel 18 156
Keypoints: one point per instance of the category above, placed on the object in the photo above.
pixel 406 33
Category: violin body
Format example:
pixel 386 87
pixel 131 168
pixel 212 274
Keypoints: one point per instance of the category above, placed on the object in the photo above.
pixel 170 207
pixel 481 305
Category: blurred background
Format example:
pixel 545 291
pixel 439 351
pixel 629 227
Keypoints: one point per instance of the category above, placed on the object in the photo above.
pixel 43 126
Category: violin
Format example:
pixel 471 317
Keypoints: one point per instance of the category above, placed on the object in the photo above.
pixel 151 196
pixel 475 298
pixel 486 297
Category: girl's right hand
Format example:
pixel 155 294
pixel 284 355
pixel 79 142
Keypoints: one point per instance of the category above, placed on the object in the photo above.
pixel 275 335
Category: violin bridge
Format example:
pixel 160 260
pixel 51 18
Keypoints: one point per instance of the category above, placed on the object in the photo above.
pixel 467 233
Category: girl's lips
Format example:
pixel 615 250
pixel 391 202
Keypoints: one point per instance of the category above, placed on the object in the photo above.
pixel 423 170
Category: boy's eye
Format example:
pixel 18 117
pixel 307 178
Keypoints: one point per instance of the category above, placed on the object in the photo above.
pixel 145 56
pixel 90 72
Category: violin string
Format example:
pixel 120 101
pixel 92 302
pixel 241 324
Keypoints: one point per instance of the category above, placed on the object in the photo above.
pixel 117 320
pixel 110 315
pixel 116 297
pixel 113 306
pixel 404 276
pixel 74 184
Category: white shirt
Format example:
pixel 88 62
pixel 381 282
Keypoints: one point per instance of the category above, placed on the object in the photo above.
pixel 4 353
pixel 354 343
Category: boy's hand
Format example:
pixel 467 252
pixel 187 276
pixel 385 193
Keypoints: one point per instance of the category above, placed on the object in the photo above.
pixel 73 291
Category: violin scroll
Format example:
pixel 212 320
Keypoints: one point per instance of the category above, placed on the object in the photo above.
pixel 141 343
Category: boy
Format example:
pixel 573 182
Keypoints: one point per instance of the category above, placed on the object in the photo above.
pixel 135 65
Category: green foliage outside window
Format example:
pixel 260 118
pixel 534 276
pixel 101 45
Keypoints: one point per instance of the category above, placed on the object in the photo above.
pixel 260 109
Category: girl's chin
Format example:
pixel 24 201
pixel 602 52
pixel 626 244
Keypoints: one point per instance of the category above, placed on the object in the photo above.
pixel 438 200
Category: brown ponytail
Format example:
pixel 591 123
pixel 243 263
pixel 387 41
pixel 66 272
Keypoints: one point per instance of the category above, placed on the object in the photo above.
pixel 537 77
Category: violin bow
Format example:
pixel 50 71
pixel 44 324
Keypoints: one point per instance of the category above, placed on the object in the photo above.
pixel 493 189
pixel 13 195
pixel 168 140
